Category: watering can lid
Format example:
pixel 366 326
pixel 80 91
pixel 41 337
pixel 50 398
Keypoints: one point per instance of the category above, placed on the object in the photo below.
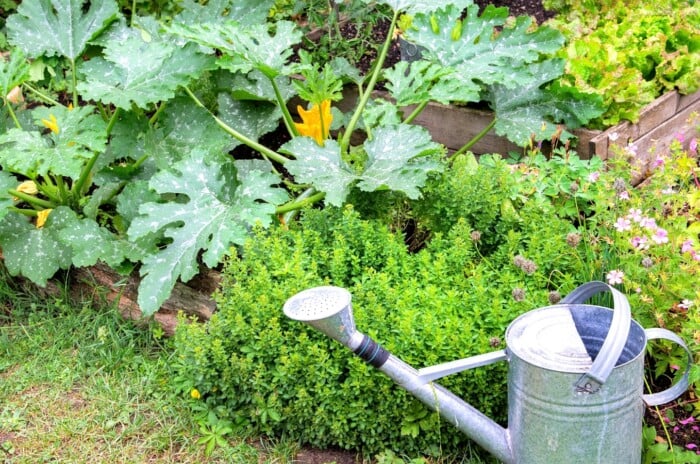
pixel 549 337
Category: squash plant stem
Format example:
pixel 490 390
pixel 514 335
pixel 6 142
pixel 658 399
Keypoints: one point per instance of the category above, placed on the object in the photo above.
pixel 370 86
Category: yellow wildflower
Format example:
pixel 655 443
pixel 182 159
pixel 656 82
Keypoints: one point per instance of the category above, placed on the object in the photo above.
pixel 51 123
pixel 195 394
pixel 316 121
pixel 28 187
pixel 41 217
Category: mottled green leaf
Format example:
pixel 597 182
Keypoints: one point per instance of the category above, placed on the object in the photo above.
pixel 13 72
pixel 36 254
pixel 321 166
pixel 58 27
pixel 215 11
pixel 422 6
pixel 7 181
pixel 199 220
pixel 398 158
pixel 482 49
pixel 90 243
pixel 533 110
pixel 251 118
pixel 247 47
pixel 80 135
pixel 140 72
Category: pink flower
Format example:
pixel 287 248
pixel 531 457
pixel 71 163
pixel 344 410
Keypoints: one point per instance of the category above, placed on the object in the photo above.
pixel 594 176
pixel 648 223
pixel 615 277
pixel 686 304
pixel 660 236
pixel 693 147
pixel 624 195
pixel 687 421
pixel 635 214
pixel 659 162
pixel 622 224
pixel 687 246
pixel 680 137
pixel 640 243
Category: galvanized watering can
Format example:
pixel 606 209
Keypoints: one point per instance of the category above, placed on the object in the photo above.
pixel 575 379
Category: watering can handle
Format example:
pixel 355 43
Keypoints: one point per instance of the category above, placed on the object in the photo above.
pixel 614 342
pixel 679 388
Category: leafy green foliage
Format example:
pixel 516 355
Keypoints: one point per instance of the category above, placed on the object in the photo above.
pixel 250 359
pixel 13 72
pixel 140 72
pixel 80 134
pixel 211 215
pixel 58 27
pixel 631 59
pixel 398 158
pixel 248 46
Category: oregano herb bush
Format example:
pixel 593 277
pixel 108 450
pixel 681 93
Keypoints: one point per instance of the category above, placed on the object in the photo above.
pixel 122 152
pixel 451 299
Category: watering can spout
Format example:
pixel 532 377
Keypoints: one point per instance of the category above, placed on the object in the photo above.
pixel 329 310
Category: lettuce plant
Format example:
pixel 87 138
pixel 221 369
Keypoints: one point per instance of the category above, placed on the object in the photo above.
pixel 133 166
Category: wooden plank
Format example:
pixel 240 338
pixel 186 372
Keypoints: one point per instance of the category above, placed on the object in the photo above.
pixel 684 101
pixel 659 140
pixel 454 126
pixel 584 146
pixel 656 112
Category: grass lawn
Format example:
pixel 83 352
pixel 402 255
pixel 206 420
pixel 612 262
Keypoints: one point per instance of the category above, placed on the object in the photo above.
pixel 81 385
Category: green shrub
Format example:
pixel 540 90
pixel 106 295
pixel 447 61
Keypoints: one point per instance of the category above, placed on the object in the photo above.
pixel 447 301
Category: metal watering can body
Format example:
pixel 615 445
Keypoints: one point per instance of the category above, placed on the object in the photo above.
pixel 575 377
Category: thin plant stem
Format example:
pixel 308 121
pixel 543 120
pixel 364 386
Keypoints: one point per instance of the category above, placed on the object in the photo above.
pixel 306 198
pixel 416 111
pixel 74 78
pixel 112 122
pixel 40 94
pixel 263 150
pixel 78 187
pixel 12 115
pixel 286 115
pixel 152 120
pixel 663 423
pixel 370 86
pixel 476 138
pixel 32 200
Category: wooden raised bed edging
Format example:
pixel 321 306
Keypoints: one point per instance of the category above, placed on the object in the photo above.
pixel 660 122
pixel 101 283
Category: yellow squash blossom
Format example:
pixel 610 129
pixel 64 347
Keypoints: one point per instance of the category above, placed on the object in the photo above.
pixel 28 187
pixel 51 123
pixel 195 394
pixel 41 217
pixel 316 121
